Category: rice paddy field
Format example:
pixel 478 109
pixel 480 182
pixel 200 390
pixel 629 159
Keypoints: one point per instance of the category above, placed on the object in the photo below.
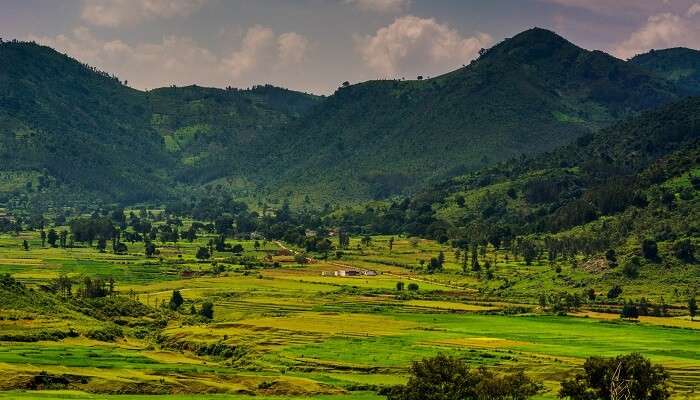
pixel 297 331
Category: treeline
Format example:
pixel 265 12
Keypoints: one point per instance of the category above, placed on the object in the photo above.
pixel 444 377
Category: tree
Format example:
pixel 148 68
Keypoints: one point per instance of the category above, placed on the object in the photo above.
pixel 413 287
pixel 52 237
pixel 176 300
pixel 611 257
pixel 391 244
pixel 399 286
pixel 623 377
pixel 615 292
pixel 629 311
pixel 149 249
pixel 692 307
pixel 684 250
pixel 301 258
pixel 446 378
pixel 237 248
pixel 25 245
pixel 529 251
pixel 203 253
pixel 475 258
pixel 207 310
pixel 631 268
pixel 101 244
pixel 120 248
pixel 366 240
pixel 42 235
pixel 435 265
pixel 63 238
pixel 650 250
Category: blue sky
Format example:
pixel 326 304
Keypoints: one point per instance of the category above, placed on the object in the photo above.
pixel 313 45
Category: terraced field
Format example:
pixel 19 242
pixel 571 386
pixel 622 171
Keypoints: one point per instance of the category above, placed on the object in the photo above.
pixel 290 331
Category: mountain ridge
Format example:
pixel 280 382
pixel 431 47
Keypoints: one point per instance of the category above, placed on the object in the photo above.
pixel 528 94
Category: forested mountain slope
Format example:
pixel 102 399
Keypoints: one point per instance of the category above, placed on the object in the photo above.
pixel 639 178
pixel 679 65
pixel 69 124
pixel 528 94
pixel 70 133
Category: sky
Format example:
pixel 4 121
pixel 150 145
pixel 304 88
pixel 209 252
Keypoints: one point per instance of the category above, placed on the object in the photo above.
pixel 314 45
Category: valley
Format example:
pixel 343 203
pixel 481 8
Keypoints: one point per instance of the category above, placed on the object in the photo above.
pixel 523 227
pixel 282 328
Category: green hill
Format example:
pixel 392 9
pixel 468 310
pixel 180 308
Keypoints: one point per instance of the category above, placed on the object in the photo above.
pixel 679 65
pixel 638 179
pixel 69 124
pixel 70 134
pixel 528 94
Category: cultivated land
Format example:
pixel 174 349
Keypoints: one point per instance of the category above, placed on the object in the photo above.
pixel 287 330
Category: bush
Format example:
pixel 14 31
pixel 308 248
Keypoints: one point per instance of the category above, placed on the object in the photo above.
pixel 606 378
pixel 615 292
pixel 631 268
pixel 684 250
pixel 413 287
pixel 445 377
pixel 106 334
pixel 650 250
pixel 207 310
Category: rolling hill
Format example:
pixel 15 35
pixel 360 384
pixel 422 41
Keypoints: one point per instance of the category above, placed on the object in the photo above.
pixel 679 65
pixel 637 179
pixel 80 135
pixel 528 94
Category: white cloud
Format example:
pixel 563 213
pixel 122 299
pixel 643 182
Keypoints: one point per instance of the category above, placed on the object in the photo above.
pixel 693 10
pixel 418 46
pixel 382 6
pixel 661 31
pixel 292 48
pixel 173 60
pixel 113 13
pixel 179 60
pixel 257 47
pixel 620 7
pixel 262 50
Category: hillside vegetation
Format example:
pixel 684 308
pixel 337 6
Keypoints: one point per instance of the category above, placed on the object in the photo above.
pixel 83 136
pixel 679 65
pixel 528 94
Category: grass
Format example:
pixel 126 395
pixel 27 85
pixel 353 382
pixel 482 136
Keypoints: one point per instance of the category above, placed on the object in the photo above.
pixel 314 336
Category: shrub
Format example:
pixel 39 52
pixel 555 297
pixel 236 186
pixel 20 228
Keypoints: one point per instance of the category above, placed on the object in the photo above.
pixel 614 292
pixel 631 268
pixel 684 250
pixel 207 310
pixel 608 378
pixel 176 300
pixel 445 377
pixel 106 334
pixel 650 250
pixel 413 286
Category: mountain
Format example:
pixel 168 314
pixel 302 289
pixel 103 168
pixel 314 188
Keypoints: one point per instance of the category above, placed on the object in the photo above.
pixel 72 134
pixel 679 65
pixel 528 94
pixel 65 123
pixel 81 135
pixel 639 178
pixel 214 132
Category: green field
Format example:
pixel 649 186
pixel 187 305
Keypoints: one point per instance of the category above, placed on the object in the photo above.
pixel 292 332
